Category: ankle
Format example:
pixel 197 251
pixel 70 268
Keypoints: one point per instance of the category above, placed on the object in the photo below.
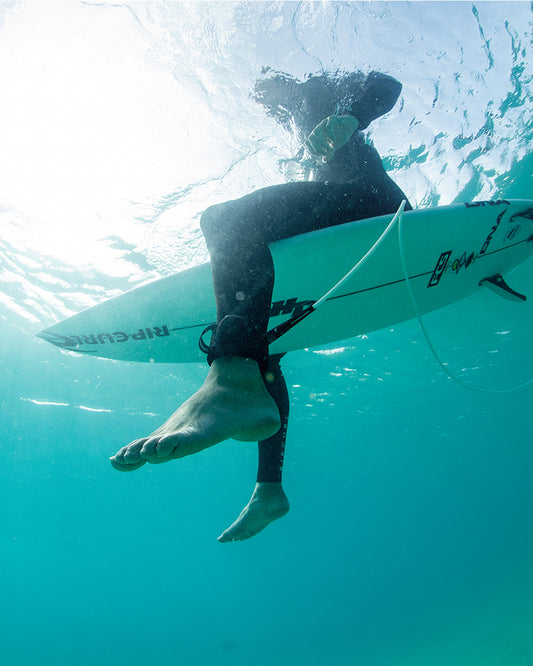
pixel 265 490
pixel 236 373
pixel 234 367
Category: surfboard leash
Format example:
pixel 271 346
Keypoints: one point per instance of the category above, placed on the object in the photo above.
pixel 286 326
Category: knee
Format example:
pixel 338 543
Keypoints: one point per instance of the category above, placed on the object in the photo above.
pixel 223 223
pixel 210 220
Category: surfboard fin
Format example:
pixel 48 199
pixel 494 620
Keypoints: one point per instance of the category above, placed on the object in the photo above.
pixel 499 286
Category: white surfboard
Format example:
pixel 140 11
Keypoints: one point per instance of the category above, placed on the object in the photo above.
pixel 449 251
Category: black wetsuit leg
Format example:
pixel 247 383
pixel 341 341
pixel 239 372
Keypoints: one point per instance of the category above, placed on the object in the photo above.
pixel 238 232
pixel 272 450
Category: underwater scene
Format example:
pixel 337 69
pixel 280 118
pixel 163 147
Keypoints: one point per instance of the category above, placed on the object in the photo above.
pixel 409 540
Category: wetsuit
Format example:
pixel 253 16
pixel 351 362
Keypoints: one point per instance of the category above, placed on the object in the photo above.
pixel 238 232
pixel 351 186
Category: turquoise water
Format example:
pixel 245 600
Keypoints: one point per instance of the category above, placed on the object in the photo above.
pixel 410 538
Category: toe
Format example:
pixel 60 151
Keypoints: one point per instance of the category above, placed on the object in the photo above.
pixel 128 458
pixel 125 467
pixel 148 450
pixel 132 455
pixel 158 449
pixel 165 446
pixel 225 537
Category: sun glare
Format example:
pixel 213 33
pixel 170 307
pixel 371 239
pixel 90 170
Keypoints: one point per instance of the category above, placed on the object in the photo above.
pixel 92 128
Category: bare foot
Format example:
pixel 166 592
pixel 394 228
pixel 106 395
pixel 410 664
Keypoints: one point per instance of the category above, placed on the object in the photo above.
pixel 231 403
pixel 268 503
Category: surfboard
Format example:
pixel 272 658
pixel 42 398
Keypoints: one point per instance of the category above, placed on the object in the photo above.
pixel 449 253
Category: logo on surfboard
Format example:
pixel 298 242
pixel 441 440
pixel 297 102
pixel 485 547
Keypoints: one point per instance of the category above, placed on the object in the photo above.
pixel 463 262
pixel 440 268
pixel 92 339
pixel 292 306
pixel 493 230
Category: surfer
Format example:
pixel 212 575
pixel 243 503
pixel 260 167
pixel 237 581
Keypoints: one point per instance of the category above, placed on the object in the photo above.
pixel 244 395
